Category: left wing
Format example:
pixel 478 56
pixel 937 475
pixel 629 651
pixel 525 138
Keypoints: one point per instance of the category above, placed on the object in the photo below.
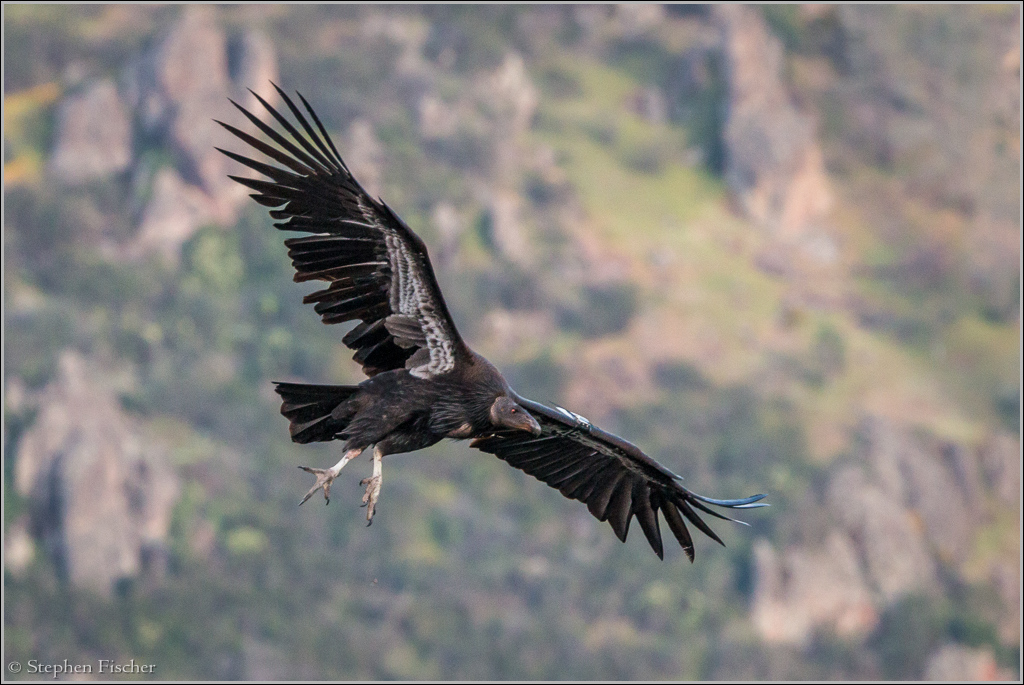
pixel 377 268
pixel 613 477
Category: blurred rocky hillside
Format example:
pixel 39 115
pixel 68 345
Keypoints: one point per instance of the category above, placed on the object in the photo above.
pixel 777 247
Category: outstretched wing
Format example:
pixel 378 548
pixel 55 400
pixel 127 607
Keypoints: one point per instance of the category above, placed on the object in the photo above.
pixel 378 269
pixel 613 477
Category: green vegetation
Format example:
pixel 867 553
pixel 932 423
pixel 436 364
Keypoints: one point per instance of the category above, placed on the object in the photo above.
pixel 916 625
pixel 473 570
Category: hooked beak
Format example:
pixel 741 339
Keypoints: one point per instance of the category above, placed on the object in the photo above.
pixel 533 426
pixel 529 425
pixel 522 421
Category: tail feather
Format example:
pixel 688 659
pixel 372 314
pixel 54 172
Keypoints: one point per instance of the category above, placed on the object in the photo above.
pixel 316 412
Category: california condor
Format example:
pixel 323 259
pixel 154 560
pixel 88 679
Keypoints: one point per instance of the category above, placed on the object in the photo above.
pixel 425 384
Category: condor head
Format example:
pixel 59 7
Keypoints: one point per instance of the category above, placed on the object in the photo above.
pixel 507 414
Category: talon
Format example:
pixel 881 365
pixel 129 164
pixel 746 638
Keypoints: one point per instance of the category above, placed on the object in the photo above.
pixel 371 496
pixel 324 478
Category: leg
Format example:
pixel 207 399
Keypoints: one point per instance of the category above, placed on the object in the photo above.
pixel 324 477
pixel 373 484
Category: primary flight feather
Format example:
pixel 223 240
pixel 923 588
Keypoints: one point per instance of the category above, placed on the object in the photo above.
pixel 425 384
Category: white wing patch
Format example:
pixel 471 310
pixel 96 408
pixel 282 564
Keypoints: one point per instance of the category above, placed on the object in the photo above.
pixel 410 297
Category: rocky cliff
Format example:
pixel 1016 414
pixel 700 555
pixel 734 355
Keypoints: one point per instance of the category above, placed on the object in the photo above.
pixel 774 163
pixel 903 516
pixel 168 97
pixel 101 491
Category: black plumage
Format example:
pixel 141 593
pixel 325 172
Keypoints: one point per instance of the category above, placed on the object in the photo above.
pixel 425 384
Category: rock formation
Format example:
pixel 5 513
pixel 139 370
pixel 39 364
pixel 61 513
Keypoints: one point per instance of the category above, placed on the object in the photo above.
pixel 907 505
pixel 170 95
pixel 178 89
pixel 485 128
pixel 364 156
pixel 800 590
pixel 175 210
pixel 101 493
pixel 774 164
pixel 93 136
pixel 958 662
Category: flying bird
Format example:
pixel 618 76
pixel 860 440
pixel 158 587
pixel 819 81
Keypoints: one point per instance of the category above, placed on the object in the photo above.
pixel 424 382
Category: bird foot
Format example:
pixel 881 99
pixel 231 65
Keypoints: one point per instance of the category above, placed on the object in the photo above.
pixel 372 484
pixel 324 478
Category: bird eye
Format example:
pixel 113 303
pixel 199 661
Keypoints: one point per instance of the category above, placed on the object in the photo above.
pixel 513 410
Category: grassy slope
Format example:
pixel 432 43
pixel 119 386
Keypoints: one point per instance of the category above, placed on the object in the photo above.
pixel 706 302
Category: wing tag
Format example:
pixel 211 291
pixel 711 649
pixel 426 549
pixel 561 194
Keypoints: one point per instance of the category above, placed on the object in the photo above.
pixel 580 422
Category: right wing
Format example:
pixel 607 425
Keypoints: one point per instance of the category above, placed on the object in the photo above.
pixel 610 475
pixel 378 269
